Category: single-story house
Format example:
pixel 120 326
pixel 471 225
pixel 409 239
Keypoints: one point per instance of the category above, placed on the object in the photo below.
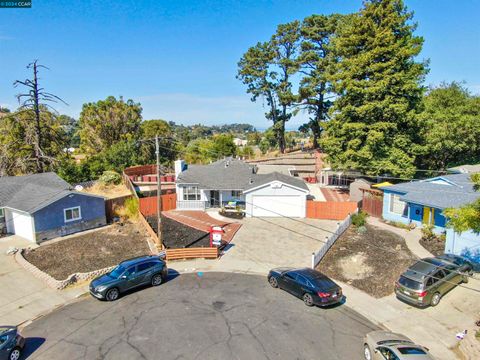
pixel 423 202
pixel 39 207
pixel 261 195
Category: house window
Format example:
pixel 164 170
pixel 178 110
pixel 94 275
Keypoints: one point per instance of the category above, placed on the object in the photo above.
pixel 398 206
pixel 191 193
pixel 72 214
pixel 2 214
pixel 236 193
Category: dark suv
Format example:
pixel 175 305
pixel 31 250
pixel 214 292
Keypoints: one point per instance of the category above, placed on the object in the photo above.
pixel 11 343
pixel 128 275
pixel 425 282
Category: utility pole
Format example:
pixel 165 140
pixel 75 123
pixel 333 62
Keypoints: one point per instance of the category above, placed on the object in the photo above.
pixel 159 193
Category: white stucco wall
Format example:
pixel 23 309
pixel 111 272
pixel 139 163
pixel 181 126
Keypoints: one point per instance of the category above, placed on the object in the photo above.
pixel 276 200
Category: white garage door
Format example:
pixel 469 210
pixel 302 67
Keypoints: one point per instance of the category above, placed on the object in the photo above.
pixel 20 224
pixel 275 206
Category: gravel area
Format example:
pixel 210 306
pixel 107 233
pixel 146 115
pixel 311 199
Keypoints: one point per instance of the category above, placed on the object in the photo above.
pixel 371 261
pixel 91 251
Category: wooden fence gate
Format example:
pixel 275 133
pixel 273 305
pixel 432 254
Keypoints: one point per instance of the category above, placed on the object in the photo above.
pixel 372 202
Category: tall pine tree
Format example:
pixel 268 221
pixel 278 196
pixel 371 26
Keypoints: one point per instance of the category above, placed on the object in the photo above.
pixel 375 125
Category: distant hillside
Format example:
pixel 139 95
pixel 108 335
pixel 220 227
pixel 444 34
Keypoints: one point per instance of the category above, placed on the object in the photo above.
pixel 205 130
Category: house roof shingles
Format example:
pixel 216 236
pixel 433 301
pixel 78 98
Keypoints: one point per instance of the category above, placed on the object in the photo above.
pixel 232 174
pixel 262 179
pixel 226 174
pixel 30 193
pixel 459 192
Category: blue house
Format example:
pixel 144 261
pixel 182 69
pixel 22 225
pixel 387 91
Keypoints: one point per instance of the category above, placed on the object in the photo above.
pixel 422 203
pixel 39 207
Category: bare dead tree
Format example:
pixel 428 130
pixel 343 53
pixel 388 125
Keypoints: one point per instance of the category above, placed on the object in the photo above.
pixel 33 100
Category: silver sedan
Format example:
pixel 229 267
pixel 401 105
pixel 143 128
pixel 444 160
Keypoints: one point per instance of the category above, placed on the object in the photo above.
pixel 385 345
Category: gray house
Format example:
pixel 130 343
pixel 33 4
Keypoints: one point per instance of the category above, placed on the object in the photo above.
pixel 39 207
pixel 200 187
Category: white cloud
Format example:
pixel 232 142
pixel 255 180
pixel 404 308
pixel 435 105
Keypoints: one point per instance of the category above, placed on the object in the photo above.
pixel 186 109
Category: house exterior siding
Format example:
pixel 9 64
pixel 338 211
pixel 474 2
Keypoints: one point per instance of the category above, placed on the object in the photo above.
pixel 387 214
pixel 466 244
pixel 50 220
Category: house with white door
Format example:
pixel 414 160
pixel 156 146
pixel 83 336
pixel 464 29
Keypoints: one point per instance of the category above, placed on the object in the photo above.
pixel 230 180
pixel 40 207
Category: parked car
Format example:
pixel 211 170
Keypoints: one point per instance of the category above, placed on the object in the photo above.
pixel 128 275
pixel 308 284
pixel 464 264
pixel 425 282
pixel 385 345
pixel 11 343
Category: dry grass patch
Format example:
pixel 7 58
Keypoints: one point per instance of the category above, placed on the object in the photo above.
pixel 108 191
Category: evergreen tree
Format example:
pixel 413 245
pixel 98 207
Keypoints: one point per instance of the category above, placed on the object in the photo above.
pixel 375 125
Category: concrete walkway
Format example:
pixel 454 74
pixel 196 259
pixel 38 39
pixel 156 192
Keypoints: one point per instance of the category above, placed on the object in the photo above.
pixel 412 237
pixel 23 296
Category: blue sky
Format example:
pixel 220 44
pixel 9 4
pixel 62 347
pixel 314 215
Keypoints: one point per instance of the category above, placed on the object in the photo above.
pixel 179 58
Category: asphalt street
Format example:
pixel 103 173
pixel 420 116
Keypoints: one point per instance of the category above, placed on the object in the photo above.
pixel 199 316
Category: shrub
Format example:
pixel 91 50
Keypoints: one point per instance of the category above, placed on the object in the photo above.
pixel 429 236
pixel 359 219
pixel 129 210
pixel 401 225
pixel 110 178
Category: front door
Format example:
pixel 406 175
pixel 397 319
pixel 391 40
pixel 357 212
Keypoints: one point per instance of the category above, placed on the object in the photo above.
pixel 428 215
pixel 214 198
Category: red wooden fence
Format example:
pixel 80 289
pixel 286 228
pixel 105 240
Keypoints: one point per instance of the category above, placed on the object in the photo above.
pixel 330 210
pixel 148 205
pixel 372 202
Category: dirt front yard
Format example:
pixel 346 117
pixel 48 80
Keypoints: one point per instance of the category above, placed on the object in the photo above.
pixel 371 261
pixel 90 251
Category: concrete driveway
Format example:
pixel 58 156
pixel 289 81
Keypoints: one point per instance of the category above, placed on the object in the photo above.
pixel 263 243
pixel 23 296
pixel 213 316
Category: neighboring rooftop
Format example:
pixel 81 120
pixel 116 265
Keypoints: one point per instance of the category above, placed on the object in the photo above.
pixel 439 192
pixel 30 193
pixel 466 169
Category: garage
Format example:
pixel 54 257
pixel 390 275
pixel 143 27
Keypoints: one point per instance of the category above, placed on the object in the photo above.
pixel 20 224
pixel 282 196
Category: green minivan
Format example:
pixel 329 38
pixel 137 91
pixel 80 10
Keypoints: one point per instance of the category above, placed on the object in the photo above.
pixel 425 282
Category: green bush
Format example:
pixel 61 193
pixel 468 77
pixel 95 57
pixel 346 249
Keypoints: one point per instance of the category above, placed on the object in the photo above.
pixel 359 219
pixel 131 208
pixel 110 177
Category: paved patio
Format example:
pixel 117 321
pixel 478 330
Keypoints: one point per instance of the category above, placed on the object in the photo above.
pixel 200 220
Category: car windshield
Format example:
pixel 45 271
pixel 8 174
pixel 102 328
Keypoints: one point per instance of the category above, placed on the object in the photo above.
pixel 409 283
pixel 411 351
pixel 117 272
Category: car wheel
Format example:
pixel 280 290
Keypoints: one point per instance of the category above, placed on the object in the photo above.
pixel 112 294
pixel 15 354
pixel 157 279
pixel 307 299
pixel 366 352
pixel 435 299
pixel 273 282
